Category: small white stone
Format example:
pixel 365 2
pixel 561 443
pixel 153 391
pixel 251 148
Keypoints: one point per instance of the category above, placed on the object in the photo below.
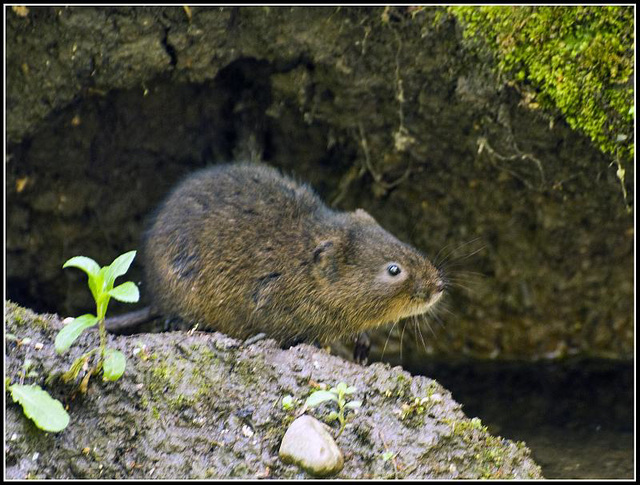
pixel 308 445
pixel 36 455
pixel 247 431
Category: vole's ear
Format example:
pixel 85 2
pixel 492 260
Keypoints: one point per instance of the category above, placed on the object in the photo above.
pixel 363 215
pixel 325 261
pixel 323 251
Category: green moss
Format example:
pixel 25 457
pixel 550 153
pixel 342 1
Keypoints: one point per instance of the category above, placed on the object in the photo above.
pixel 492 457
pixel 577 59
pixel 415 408
pixel 181 401
pixel 490 451
pixel 163 380
pixel 199 380
pixel 162 372
pixel 402 387
pixel 15 315
pixel 209 355
pixel 462 427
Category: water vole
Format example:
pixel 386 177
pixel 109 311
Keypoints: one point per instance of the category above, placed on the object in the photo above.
pixel 242 249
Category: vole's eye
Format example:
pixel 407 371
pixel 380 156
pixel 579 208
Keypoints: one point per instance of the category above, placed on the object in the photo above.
pixel 394 269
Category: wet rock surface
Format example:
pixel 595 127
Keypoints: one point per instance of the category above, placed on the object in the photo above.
pixel 200 405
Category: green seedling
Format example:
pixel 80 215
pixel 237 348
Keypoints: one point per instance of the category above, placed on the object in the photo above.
pixel 387 455
pixel 337 394
pixel 287 402
pixel 112 362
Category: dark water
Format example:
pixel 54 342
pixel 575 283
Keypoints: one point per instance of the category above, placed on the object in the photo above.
pixel 577 417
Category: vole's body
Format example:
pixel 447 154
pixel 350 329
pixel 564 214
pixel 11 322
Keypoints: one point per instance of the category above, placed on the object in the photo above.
pixel 242 249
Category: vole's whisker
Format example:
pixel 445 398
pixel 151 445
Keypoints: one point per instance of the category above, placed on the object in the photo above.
pixel 474 274
pixel 455 284
pixel 404 326
pixel 473 253
pixel 445 258
pixel 425 321
pixel 446 310
pixel 424 344
pixel 435 259
pixel 387 341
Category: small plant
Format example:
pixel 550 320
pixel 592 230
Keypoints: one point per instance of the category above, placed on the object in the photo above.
pixel 101 280
pixel 337 394
pixel 287 402
pixel 46 412
pixel 387 455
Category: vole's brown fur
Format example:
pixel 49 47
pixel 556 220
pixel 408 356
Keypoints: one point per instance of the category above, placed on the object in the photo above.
pixel 242 249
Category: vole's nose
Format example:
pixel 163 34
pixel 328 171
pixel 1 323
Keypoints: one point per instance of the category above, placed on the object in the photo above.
pixel 441 285
pixel 428 290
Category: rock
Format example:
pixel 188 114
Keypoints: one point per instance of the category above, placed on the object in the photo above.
pixel 308 445
pixel 200 405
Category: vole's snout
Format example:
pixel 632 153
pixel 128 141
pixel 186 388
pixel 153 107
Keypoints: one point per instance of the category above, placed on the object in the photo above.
pixel 431 290
pixel 441 284
pixel 426 291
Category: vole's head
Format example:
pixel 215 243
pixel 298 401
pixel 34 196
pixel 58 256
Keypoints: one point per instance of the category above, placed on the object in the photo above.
pixel 374 276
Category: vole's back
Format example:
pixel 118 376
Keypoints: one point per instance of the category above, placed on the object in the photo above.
pixel 229 241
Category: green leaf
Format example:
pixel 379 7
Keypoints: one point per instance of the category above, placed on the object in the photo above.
pixel 102 296
pixel 71 331
pixel 90 267
pixel 126 292
pixel 96 283
pixel 87 265
pixel 38 405
pixel 353 404
pixel 333 415
pixel 340 388
pixel 114 365
pixel 319 397
pixel 350 390
pixel 119 267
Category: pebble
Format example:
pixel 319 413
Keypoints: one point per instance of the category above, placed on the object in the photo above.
pixel 308 445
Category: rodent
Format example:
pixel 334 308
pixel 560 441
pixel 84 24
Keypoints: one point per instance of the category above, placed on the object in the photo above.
pixel 242 249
